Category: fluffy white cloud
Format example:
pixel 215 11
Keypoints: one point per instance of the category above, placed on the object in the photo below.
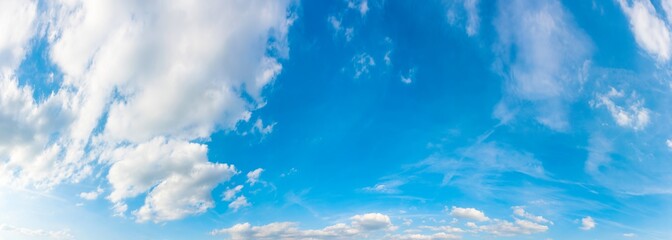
pixel 17 19
pixel 518 227
pixel 531 223
pixel 230 193
pixel 445 229
pixel 178 173
pixel 93 195
pixel 240 202
pixel 372 222
pixel 416 236
pixel 138 76
pixel 37 233
pixel 468 213
pixel 634 116
pixel 542 56
pixel 27 154
pixel 587 223
pixel 651 32
pixel 360 227
pixel 253 176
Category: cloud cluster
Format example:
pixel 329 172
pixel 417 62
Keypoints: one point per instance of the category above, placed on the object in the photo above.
pixel 37 233
pixel 529 224
pixel 359 227
pixel 380 226
pixel 634 115
pixel 143 85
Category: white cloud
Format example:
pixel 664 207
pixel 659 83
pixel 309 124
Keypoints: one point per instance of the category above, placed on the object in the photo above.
pixel 17 19
pixel 93 195
pixel 520 212
pixel 386 187
pixel 468 213
pixel 629 235
pixel 518 227
pixel 542 54
pixel 263 129
pixel 417 236
pixel 361 5
pixel 253 176
pixel 240 202
pixel 531 224
pixel 178 174
pixel 473 20
pixel 410 77
pixel 634 116
pixel 372 222
pixel 362 63
pixel 137 77
pixel 445 229
pixel 587 223
pixel 230 193
pixel 464 13
pixel 37 233
pixel 651 32
pixel 668 142
pixel 361 225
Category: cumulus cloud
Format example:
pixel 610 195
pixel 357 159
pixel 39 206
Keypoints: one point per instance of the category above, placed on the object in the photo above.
pixel 37 233
pixel 372 222
pixel 93 195
pixel 361 225
pixel 530 224
pixel 445 229
pixel 253 176
pixel 542 55
pixel 178 173
pixel 417 236
pixel 633 115
pixel 508 229
pixel 17 21
pixel 468 213
pixel 231 193
pixel 651 32
pixel 587 223
pixel 137 77
pixel 240 202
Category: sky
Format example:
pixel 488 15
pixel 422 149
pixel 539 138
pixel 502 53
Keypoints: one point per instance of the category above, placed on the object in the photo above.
pixel 339 119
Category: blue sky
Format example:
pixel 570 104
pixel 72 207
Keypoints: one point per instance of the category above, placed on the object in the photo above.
pixel 345 119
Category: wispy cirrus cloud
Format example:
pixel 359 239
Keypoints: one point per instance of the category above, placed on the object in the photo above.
pixel 542 55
